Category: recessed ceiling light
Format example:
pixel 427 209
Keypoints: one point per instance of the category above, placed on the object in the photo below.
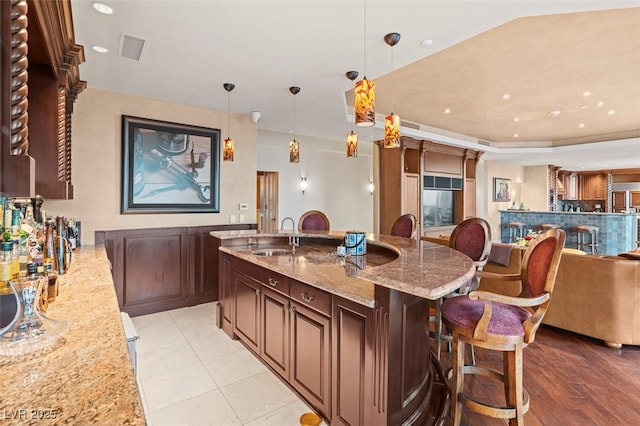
pixel 600 103
pixel 506 96
pixel 426 42
pixel 554 113
pixel 517 119
pixel 100 49
pixel 587 93
pixel 515 135
pixel 102 8
pixel 581 125
pixel 447 111
pixel 583 107
pixel 611 112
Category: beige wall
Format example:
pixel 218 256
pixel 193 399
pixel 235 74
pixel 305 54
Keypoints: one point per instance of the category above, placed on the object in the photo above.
pixel 529 186
pixel 96 163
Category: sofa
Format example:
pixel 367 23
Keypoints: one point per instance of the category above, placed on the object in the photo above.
pixel 597 296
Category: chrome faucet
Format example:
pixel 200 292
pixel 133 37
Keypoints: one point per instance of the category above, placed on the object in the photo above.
pixel 294 240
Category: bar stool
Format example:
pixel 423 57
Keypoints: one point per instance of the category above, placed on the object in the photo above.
pixel 516 230
pixel 584 231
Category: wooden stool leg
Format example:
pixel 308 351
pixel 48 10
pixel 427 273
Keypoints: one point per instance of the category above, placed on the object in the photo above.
pixel 438 327
pixel 457 384
pixel 512 364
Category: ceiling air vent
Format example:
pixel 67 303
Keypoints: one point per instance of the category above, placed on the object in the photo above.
pixel 131 47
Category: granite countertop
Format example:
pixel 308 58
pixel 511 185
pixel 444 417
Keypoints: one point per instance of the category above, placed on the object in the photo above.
pixel 88 379
pixel 419 268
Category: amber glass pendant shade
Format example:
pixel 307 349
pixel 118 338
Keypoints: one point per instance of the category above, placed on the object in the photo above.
pixel 229 149
pixel 352 144
pixel 392 131
pixel 294 151
pixel 365 107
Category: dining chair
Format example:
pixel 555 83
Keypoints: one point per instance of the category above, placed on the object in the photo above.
pixel 503 323
pixel 473 238
pixel 313 220
pixel 404 226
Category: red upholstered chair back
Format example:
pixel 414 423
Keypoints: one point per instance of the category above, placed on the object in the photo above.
pixel 473 238
pixel 540 263
pixel 404 226
pixel 313 220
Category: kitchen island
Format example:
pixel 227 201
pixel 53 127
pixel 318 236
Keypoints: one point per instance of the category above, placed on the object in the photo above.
pixel 350 335
pixel 88 378
pixel 618 231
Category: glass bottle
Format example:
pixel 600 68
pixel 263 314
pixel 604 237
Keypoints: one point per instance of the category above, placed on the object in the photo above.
pixel 32 272
pixel 6 266
pixel 50 261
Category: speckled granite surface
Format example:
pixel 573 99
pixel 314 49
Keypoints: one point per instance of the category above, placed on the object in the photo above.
pixel 88 379
pixel 423 269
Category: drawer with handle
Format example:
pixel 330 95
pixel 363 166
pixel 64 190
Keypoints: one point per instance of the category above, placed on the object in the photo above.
pixel 310 296
pixel 276 282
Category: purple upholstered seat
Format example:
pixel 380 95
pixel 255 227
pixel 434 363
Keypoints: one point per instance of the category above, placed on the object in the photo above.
pixel 506 320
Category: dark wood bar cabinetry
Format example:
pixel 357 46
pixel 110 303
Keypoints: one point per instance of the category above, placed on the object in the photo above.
pixel 354 364
pixel 158 269
pixel 40 82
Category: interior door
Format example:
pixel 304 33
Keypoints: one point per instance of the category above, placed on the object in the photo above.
pixel 267 201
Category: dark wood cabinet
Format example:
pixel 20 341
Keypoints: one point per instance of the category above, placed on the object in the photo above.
pixel 275 331
pixel 310 371
pixel 157 269
pixel 246 321
pixel 352 362
pixel 39 76
pixel 355 365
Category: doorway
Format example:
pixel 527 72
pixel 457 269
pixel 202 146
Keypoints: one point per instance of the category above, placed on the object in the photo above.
pixel 267 201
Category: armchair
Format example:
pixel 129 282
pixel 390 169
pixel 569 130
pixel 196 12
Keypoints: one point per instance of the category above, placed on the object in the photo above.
pixel 404 226
pixel 313 220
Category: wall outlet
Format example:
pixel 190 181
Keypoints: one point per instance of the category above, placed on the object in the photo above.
pixel 243 206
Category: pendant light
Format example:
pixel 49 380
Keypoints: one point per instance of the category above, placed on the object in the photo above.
pixel 352 137
pixel 392 121
pixel 365 91
pixel 294 146
pixel 228 147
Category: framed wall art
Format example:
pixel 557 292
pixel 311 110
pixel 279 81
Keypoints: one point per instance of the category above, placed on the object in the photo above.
pixel 501 189
pixel 169 167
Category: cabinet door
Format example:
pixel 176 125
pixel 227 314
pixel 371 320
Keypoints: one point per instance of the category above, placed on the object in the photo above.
pixel 310 372
pixel 598 185
pixel 469 198
pixel 352 363
pixel 619 200
pixel 247 310
pixel 635 198
pixel 275 331
pixel 411 196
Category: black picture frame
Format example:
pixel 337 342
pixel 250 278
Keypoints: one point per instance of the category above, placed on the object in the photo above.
pixel 501 189
pixel 169 167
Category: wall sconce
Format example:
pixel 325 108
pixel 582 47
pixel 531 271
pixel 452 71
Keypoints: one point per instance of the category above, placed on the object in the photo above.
pixel 303 184
pixel 371 187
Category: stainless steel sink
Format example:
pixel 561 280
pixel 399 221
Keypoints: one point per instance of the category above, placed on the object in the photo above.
pixel 271 252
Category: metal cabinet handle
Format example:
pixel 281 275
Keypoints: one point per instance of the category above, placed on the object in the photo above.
pixel 307 297
pixel 272 282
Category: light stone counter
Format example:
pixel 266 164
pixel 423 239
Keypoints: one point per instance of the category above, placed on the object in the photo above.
pixel 422 268
pixel 89 378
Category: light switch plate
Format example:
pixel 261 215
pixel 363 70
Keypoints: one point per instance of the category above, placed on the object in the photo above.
pixel 243 206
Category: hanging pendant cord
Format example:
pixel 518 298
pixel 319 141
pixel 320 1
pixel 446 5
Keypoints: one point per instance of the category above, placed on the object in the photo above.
pixel 228 114
pixel 364 38
pixel 294 117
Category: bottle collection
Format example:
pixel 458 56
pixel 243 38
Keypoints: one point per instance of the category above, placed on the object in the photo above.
pixel 34 251
pixel 27 236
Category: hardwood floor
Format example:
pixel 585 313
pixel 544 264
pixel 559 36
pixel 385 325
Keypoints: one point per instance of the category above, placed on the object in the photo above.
pixel 571 380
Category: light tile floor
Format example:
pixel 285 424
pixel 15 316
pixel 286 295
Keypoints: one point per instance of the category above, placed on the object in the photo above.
pixel 191 373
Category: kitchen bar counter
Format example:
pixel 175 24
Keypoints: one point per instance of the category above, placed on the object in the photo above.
pixel 418 268
pixel 89 378
pixel 618 231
